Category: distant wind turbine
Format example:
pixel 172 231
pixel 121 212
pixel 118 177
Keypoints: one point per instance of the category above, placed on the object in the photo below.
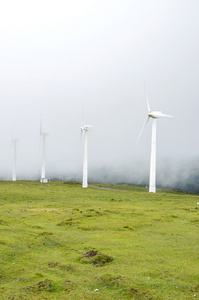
pixel 85 128
pixel 14 144
pixel 154 115
pixel 43 170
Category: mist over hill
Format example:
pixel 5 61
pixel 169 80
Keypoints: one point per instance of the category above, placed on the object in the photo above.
pixel 177 175
pixel 182 175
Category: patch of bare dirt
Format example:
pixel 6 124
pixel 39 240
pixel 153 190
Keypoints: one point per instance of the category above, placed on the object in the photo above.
pixel 91 253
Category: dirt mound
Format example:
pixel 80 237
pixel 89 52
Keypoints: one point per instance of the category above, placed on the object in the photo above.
pixel 96 258
pixel 91 253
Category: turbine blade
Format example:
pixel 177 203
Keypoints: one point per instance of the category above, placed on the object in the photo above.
pixel 83 111
pixel 165 116
pixel 80 138
pixel 145 123
pixel 81 132
pixel 147 100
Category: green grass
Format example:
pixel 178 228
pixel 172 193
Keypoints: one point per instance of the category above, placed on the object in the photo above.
pixel 59 241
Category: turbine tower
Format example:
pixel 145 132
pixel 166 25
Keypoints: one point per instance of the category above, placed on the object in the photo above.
pixel 85 128
pixel 154 115
pixel 14 144
pixel 43 170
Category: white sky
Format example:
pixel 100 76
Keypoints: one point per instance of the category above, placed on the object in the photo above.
pixel 74 60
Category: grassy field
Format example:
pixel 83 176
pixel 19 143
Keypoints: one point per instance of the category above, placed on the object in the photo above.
pixel 59 241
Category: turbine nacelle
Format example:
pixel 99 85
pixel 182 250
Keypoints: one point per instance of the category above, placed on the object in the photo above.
pixel 86 127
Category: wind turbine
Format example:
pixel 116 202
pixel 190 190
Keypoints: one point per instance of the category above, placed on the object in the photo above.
pixel 85 128
pixel 14 144
pixel 43 171
pixel 154 115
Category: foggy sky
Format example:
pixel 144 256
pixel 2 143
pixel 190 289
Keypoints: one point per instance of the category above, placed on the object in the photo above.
pixel 87 61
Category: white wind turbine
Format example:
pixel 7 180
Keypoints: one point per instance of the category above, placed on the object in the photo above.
pixel 43 170
pixel 14 144
pixel 154 115
pixel 85 128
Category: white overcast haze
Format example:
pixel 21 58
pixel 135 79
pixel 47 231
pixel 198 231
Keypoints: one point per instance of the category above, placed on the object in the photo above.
pixel 87 61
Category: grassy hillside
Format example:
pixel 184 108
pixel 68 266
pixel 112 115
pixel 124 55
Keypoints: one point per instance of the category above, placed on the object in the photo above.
pixel 59 241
